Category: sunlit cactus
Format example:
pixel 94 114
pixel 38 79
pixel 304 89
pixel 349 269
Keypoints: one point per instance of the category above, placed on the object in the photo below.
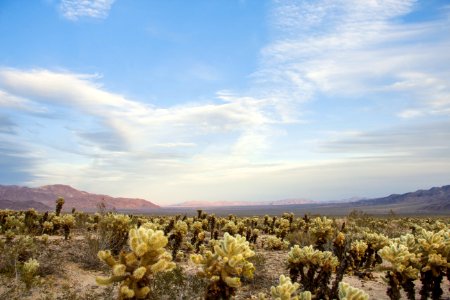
pixel 29 272
pixel 339 241
pixel 275 243
pixel 31 221
pixel 314 268
pixel 230 227
pixel 14 223
pixel 401 270
pixel 47 227
pixel 114 228
pixel 135 270
pixel 339 244
pixel 434 248
pixel 67 221
pixel 225 265
pixel 375 242
pixel 321 230
pixel 347 292
pixel 285 290
pixel 254 233
pixel 357 252
pixel 179 230
pixel 282 227
pixel 59 205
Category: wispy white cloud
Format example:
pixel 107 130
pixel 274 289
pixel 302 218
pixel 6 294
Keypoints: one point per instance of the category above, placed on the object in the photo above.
pixel 353 48
pixel 76 9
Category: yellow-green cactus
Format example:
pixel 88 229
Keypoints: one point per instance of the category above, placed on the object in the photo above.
pixel 374 242
pixel 314 268
pixel 68 221
pixel 347 292
pixel 401 260
pixel 321 230
pixel 114 228
pixel 225 266
pixel 135 269
pixel 180 227
pixel 434 256
pixel 339 241
pixel 275 243
pixel 282 227
pixel 179 230
pixel 401 270
pixel 357 251
pixel 47 227
pixel 230 227
pixel 29 271
pixel 285 290
pixel 309 256
pixel 435 249
pixel 59 205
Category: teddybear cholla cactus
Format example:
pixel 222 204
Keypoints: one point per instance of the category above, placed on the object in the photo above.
pixel 434 249
pixel 286 290
pixel 225 266
pixel 135 269
pixel 314 267
pixel 321 230
pixel 402 270
pixel 29 271
pixel 347 292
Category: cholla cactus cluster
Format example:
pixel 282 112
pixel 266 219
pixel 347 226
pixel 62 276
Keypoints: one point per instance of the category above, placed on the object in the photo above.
pixel 29 271
pixel 274 243
pixel 286 290
pixel 314 268
pixel 322 250
pixel 434 256
pixel 179 230
pixel 401 271
pixel 114 229
pixel 375 242
pixel 135 269
pixel 321 229
pixel 347 292
pixel 225 266
pixel 67 222
pixel 230 227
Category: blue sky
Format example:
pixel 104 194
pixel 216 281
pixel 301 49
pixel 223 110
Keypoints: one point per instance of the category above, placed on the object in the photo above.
pixel 226 100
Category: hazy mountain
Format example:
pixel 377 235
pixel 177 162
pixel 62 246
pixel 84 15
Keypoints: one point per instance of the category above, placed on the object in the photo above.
pixel 23 205
pixel 205 204
pixel 46 195
pixel 292 202
pixel 436 199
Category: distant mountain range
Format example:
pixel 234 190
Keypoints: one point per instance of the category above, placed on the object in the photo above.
pixel 44 197
pixel 436 199
pixel 433 201
pixel 206 204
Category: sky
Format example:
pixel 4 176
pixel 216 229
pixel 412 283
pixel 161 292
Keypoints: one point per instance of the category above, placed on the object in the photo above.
pixel 227 100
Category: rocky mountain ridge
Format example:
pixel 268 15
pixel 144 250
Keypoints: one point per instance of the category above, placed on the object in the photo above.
pixel 14 197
